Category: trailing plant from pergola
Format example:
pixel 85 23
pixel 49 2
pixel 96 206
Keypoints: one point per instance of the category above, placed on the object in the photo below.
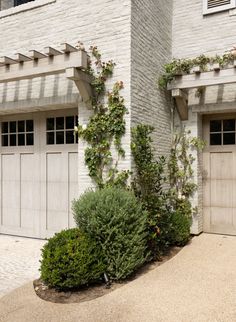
pixel 184 66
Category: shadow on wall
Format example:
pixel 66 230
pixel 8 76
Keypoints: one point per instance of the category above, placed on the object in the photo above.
pixel 212 99
pixel 24 95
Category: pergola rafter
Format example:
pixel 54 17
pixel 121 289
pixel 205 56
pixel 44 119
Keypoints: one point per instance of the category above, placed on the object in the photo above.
pixel 181 84
pixel 50 62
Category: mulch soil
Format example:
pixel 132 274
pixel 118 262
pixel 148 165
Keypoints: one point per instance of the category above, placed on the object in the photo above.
pixel 92 292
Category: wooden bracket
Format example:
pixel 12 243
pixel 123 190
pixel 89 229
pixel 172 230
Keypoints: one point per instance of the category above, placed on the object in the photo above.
pixel 181 99
pixel 83 83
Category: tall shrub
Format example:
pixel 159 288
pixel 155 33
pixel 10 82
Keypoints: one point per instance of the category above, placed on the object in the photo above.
pixel 148 187
pixel 116 221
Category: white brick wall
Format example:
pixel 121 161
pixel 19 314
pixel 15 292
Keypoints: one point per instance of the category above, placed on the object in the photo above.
pixel 194 33
pixel 150 50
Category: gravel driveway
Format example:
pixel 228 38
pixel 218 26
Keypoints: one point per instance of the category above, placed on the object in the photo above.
pixel 19 261
pixel 197 285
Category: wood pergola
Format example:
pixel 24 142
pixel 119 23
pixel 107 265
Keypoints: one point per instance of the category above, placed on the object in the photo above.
pixel 68 60
pixel 181 84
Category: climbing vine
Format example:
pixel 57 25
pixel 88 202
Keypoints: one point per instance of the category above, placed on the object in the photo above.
pixel 184 66
pixel 107 125
pixel 180 170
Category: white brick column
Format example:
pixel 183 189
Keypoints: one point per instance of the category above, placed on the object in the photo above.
pixel 194 124
pixel 84 180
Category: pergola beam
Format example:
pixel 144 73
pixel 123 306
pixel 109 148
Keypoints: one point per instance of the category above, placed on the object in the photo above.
pixel 20 58
pixel 202 79
pixel 52 51
pixel 43 67
pixel 67 48
pixel 69 60
pixel 7 61
pixel 37 55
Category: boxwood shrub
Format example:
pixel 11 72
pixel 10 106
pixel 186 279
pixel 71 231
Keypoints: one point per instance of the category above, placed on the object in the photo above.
pixel 114 218
pixel 71 259
pixel 180 223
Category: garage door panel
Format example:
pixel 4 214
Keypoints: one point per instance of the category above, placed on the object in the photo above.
pixel 221 193
pixel 10 190
pixel 207 218
pixel 57 191
pixel 56 196
pixel 30 191
pixel 56 221
pixel 73 183
pixel 234 218
pixel 207 194
pixel 221 216
pixel 221 165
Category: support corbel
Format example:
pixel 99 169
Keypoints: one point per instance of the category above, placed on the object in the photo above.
pixel 181 99
pixel 83 83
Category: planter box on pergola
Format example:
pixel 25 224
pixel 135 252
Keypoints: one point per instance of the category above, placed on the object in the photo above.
pixel 68 60
pixel 182 83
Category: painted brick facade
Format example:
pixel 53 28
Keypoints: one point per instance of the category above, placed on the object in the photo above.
pixel 150 49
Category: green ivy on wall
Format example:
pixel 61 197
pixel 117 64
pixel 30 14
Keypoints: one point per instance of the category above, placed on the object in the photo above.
pixel 107 125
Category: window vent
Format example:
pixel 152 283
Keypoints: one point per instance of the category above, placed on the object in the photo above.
pixel 211 6
pixel 20 2
pixel 217 3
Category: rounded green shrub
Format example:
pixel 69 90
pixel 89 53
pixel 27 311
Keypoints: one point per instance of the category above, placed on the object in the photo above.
pixel 180 221
pixel 115 219
pixel 71 259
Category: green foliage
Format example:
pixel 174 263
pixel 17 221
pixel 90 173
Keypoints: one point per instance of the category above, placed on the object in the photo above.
pixel 169 210
pixel 175 67
pixel 180 164
pixel 184 66
pixel 116 221
pixel 180 222
pixel 71 259
pixel 182 185
pixel 148 187
pixel 105 127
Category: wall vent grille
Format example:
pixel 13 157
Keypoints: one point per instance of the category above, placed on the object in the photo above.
pixel 217 3
pixel 211 6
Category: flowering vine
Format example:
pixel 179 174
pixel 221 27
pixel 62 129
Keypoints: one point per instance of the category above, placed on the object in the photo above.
pixel 180 171
pixel 107 125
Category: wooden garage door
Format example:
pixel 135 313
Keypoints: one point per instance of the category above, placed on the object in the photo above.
pixel 219 174
pixel 39 178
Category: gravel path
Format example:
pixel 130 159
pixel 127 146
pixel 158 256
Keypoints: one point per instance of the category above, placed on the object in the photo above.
pixel 19 261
